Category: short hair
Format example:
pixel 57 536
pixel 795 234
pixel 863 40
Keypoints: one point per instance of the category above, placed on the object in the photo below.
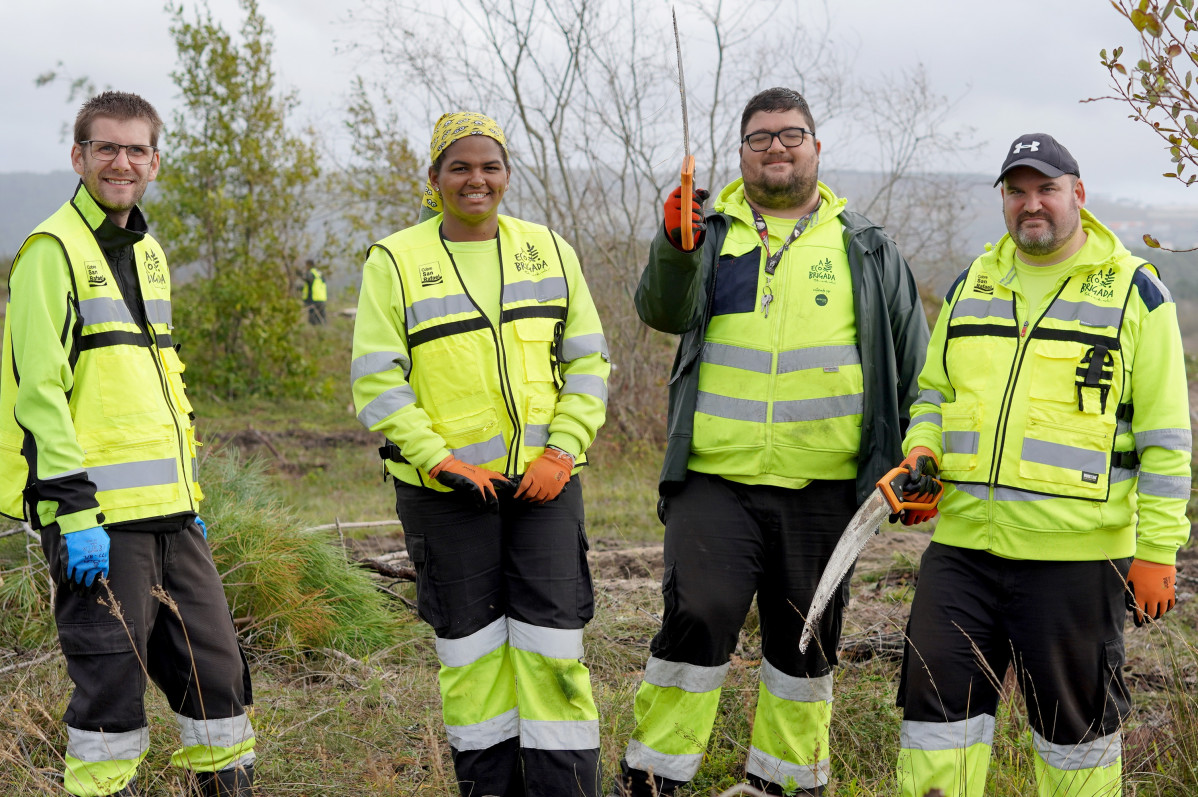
pixel 776 99
pixel 119 105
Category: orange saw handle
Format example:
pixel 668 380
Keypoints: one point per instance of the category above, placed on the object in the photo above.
pixel 688 193
pixel 893 486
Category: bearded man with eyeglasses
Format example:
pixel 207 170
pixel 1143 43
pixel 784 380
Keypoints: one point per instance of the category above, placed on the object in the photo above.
pixel 802 338
pixel 98 453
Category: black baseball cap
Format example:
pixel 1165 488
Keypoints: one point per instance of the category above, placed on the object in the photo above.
pixel 1043 153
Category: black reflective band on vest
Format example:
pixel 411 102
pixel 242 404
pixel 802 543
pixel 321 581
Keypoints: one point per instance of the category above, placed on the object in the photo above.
pixel 102 340
pixel 982 330
pixel 445 330
pixel 533 311
pixel 1077 336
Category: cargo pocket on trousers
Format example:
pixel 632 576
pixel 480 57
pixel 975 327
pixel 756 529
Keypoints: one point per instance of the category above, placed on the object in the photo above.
pixel 586 585
pixel 102 663
pixel 427 604
pixel 1116 701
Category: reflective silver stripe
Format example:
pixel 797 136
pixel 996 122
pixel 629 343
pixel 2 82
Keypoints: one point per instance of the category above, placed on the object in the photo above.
pixel 794 688
pixel 227 732
pixel 587 385
pixel 1164 486
pixel 104 310
pixel 1172 439
pixel 487 733
pixel 385 404
pixel 545 290
pixel 957 735
pixel 753 360
pixel 552 643
pixel 126 475
pixel 582 345
pixel 1160 286
pixel 94 747
pixel 817 357
pixel 1085 313
pixel 536 434
pixel 1060 455
pixel 479 453
pixel 930 397
pixel 1122 427
pixel 984 308
pixel 732 408
pixel 687 677
pixel 559 735
pixel 960 442
pixel 1100 752
pixel 928 417
pixel 818 409
pixel 675 767
pixel 469 649
pixel 64 474
pixel 377 362
pixel 1122 474
pixel 438 307
pixel 158 311
pixel 776 770
pixel 982 493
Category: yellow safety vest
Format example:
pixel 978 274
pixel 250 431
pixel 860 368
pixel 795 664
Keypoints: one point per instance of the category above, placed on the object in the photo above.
pixel 1039 400
pixel 489 391
pixel 130 411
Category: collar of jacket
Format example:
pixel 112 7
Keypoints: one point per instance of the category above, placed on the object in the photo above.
pixel 732 202
pixel 108 235
pixel 999 258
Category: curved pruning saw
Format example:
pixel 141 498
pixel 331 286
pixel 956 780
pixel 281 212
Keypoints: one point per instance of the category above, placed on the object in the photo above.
pixel 885 500
pixel 688 160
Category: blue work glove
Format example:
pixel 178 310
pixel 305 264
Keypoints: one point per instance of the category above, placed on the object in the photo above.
pixel 202 525
pixel 86 555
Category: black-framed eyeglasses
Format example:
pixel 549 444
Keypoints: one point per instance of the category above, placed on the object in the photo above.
pixel 790 137
pixel 138 154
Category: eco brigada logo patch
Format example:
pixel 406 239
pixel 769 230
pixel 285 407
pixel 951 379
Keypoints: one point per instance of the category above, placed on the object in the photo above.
pixel 530 260
pixel 155 274
pixel 1099 285
pixel 822 271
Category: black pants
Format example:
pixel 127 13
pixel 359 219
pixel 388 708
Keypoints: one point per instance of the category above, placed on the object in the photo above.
pixel 1059 623
pixel 526 564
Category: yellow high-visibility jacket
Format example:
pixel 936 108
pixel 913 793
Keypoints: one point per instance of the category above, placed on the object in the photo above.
pixel 1063 435
pixel 95 425
pixel 433 374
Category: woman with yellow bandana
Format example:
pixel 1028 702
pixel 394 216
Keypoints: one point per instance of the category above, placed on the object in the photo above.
pixel 479 355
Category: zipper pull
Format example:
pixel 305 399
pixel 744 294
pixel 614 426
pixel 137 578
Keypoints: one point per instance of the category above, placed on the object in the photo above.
pixel 1023 332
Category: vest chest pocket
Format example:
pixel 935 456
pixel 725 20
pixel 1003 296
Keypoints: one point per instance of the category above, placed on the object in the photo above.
pixel 961 424
pixel 1061 371
pixel 128 385
pixel 1068 452
pixel 536 336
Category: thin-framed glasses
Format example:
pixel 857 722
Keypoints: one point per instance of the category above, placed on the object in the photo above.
pixel 138 154
pixel 763 139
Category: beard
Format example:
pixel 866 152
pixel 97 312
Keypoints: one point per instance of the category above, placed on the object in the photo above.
pixel 1046 242
pixel 781 193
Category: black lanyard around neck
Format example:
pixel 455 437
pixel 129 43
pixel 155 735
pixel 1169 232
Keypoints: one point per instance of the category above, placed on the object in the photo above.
pixel 772 260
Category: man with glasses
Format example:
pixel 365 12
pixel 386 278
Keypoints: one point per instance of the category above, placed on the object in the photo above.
pixel 98 452
pixel 802 337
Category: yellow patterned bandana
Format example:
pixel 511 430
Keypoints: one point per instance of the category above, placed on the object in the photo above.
pixel 448 129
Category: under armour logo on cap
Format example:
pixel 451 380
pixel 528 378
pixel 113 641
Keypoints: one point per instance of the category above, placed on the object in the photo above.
pixel 1041 152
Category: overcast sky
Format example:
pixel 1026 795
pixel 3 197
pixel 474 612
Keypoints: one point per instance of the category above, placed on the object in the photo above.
pixel 1018 66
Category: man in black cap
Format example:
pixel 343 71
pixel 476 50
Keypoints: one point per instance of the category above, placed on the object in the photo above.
pixel 1066 472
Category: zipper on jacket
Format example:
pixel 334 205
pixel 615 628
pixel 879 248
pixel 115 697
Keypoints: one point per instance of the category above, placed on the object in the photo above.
pixel 505 386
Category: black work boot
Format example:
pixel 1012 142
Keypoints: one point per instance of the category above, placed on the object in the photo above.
pixel 236 782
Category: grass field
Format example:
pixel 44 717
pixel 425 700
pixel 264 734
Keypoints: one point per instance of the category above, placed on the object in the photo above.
pixel 331 724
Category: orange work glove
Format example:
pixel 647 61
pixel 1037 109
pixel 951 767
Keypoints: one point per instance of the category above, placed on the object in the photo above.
pixel 923 486
pixel 674 216
pixel 1151 589
pixel 546 477
pixel 476 481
